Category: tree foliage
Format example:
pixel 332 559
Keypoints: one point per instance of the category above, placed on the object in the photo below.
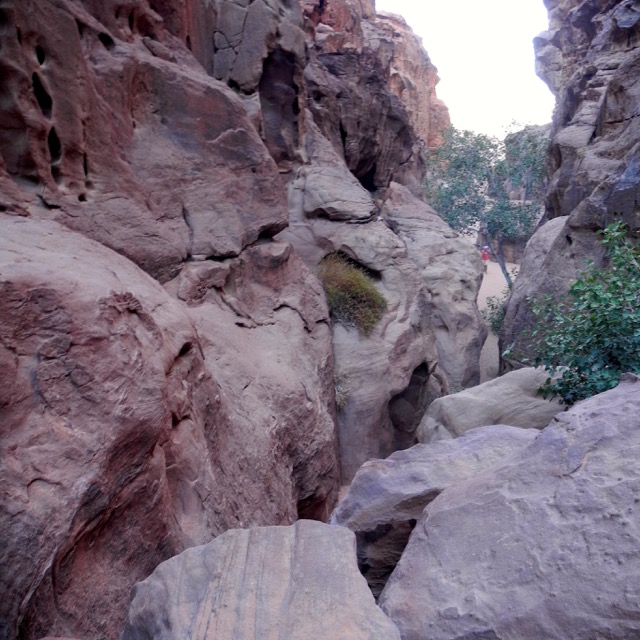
pixel 471 179
pixel 587 340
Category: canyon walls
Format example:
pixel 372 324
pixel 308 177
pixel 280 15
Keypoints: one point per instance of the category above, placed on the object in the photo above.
pixel 171 175
pixel 590 59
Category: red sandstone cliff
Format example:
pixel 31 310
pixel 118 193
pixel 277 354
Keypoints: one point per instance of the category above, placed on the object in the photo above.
pixel 167 358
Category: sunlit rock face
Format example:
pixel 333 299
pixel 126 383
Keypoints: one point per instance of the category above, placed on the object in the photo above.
pixel 591 60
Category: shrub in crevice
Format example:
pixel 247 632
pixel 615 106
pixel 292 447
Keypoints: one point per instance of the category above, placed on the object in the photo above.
pixel 352 296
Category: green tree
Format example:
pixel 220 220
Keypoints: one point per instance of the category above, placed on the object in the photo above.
pixel 588 339
pixel 471 176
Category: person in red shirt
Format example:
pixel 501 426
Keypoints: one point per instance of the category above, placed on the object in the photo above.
pixel 485 257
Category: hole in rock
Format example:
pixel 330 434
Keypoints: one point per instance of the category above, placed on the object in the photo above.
pixel 80 26
pixel 40 55
pixel 131 21
pixel 407 408
pixel 368 180
pixel 55 146
pixel 82 197
pixel 188 43
pixel 85 164
pixel 186 347
pixel 56 174
pixel 569 240
pixel 42 96
pixel 313 508
pixel 107 41
pixel 19 35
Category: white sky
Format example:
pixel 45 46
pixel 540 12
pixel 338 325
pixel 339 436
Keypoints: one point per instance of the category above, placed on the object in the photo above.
pixel 484 54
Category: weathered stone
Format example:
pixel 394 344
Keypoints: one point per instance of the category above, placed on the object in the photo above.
pixel 295 582
pixel 128 436
pixel 451 269
pixel 590 59
pixel 541 545
pixel 511 399
pixel 387 497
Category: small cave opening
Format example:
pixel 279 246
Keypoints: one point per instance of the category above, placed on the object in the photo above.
pixel 107 41
pixel 19 35
pixel 85 165
pixel 40 55
pixel 368 180
pixel 42 96
pixel 280 105
pixel 188 42
pixel 313 508
pixel 131 20
pixel 55 146
pixel 407 408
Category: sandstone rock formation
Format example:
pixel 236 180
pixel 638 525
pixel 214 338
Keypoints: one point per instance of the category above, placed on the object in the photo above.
pixel 590 59
pixel 134 426
pixel 168 363
pixel 450 267
pixel 387 497
pixel 511 399
pixel 295 582
pixel 542 545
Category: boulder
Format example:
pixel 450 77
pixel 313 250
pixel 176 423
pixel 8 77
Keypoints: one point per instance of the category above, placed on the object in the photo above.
pixel 129 434
pixel 387 497
pixel 541 545
pixel 511 399
pixel 297 582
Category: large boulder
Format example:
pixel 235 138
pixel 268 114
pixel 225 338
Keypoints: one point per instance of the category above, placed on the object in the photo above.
pixel 387 497
pixel 299 582
pixel 129 435
pixel 512 399
pixel 542 545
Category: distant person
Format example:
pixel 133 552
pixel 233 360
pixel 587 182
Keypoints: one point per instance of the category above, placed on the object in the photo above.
pixel 485 257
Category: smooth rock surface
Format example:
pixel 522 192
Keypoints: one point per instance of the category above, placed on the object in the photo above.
pixel 511 399
pixel 387 497
pixel 299 582
pixel 542 545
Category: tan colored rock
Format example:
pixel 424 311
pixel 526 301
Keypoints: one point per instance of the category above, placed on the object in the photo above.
pixel 297 582
pixel 512 399
pixel 387 497
pixel 452 271
pixel 541 545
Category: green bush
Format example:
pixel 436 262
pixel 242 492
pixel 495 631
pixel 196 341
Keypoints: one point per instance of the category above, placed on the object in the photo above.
pixel 351 294
pixel 493 313
pixel 590 338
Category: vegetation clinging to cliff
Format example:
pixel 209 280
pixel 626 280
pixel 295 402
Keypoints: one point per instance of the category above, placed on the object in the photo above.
pixel 589 339
pixel 351 294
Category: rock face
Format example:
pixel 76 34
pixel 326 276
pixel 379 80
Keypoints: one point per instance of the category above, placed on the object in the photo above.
pixel 543 545
pixel 511 399
pixel 590 60
pixel 387 497
pixel 451 269
pixel 295 582
pixel 134 426
pixel 168 360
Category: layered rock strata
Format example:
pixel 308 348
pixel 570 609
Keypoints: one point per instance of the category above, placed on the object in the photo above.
pixel 295 582
pixel 590 60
